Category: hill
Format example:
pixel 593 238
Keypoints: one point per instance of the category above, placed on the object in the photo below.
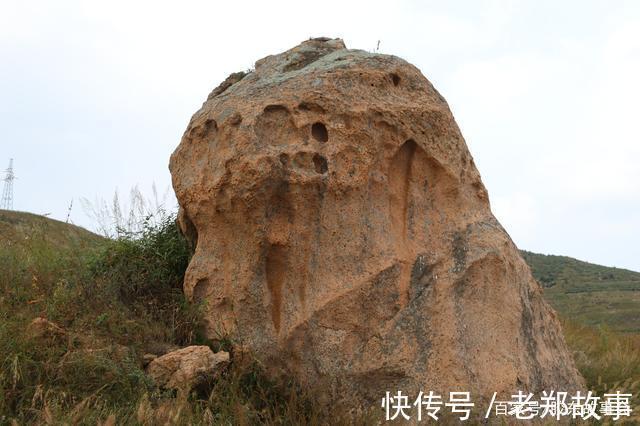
pixel 590 294
pixel 21 228
pixel 104 303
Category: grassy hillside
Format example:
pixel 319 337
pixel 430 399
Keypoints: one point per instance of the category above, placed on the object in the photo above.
pixel 18 228
pixel 89 287
pixel 590 294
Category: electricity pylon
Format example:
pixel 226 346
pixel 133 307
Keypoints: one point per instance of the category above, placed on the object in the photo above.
pixel 7 190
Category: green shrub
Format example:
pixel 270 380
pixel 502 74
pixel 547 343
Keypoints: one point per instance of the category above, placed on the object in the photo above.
pixel 144 272
pixel 112 297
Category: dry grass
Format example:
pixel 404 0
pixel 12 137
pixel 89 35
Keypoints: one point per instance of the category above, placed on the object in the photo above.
pixel 607 360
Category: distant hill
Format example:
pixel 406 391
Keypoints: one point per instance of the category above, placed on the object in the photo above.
pixel 20 228
pixel 591 294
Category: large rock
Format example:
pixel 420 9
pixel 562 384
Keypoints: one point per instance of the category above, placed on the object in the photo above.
pixel 342 233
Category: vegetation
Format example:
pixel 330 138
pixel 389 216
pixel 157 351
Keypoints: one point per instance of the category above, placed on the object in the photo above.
pixel 589 294
pixel 608 361
pixel 600 311
pixel 115 300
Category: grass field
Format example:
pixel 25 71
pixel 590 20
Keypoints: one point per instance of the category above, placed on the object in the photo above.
pixel 116 300
pixel 589 294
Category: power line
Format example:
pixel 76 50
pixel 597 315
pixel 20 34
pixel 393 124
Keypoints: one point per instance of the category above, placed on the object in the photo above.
pixel 7 191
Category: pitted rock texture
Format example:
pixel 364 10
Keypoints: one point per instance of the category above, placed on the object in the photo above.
pixel 343 235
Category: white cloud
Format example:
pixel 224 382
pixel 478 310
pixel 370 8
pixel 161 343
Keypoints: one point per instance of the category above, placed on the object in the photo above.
pixel 600 161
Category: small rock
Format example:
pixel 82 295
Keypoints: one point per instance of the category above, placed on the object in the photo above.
pixel 186 368
pixel 110 421
pixel 41 328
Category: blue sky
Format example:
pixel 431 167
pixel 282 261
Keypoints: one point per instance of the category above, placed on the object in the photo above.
pixel 94 96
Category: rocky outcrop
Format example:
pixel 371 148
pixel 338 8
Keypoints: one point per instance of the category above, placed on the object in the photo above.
pixel 342 233
pixel 187 368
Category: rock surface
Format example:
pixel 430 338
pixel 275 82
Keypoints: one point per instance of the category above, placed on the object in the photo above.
pixel 342 233
pixel 186 368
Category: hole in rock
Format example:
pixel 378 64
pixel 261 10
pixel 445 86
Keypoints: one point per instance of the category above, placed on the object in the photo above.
pixel 276 267
pixel 275 108
pixel 319 132
pixel 399 186
pixel 310 106
pixel 320 164
pixel 395 78
pixel 200 289
pixel 235 119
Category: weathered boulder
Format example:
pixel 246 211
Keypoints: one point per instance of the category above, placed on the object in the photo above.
pixel 343 234
pixel 186 368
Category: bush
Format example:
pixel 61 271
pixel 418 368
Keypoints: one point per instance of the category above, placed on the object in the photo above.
pixel 144 271
pixel 114 298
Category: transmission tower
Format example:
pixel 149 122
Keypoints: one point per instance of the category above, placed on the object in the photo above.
pixel 7 191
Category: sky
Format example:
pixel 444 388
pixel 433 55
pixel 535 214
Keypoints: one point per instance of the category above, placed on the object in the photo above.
pixel 94 97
